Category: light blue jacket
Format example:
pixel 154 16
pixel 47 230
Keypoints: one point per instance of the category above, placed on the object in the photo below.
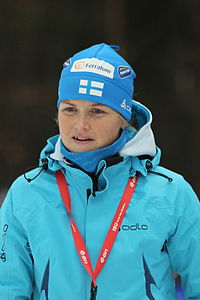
pixel 159 234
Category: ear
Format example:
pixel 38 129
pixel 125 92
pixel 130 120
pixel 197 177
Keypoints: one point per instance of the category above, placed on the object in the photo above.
pixel 124 123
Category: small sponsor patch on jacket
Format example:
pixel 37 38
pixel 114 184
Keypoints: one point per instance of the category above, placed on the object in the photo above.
pixel 93 65
pixel 3 244
pixel 133 227
pixel 124 71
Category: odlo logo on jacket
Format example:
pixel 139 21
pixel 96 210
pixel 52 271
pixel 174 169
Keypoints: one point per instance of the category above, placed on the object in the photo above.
pixel 134 227
pixel 3 246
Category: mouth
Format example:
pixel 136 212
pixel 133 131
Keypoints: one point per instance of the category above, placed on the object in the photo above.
pixel 82 140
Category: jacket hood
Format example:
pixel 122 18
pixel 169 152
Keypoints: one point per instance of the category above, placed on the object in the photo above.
pixel 141 144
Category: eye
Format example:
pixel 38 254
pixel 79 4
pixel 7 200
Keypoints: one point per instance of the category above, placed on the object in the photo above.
pixel 69 109
pixel 97 111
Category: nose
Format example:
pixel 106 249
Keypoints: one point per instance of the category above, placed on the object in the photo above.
pixel 82 122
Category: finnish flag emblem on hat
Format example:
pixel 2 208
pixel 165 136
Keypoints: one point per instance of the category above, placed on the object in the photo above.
pixel 94 88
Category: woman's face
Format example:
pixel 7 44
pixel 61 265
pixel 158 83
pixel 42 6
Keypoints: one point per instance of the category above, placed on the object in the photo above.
pixel 86 126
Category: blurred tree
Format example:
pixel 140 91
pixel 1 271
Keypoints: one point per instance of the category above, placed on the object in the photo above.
pixel 162 51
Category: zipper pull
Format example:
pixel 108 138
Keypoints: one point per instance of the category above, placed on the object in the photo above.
pixel 93 291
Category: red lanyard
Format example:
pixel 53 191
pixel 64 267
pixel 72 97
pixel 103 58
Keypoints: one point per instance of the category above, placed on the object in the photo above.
pixel 112 232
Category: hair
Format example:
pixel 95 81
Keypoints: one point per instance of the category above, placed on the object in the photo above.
pixel 134 123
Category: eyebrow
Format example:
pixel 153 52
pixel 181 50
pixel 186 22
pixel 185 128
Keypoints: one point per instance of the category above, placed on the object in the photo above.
pixel 95 104
pixel 68 103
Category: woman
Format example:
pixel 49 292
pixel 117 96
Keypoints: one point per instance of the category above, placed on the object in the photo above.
pixel 101 219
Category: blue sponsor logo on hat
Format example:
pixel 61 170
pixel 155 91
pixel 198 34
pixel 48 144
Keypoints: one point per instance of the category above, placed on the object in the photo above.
pixel 124 72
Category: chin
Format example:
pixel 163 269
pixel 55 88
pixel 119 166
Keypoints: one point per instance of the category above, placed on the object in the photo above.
pixel 82 149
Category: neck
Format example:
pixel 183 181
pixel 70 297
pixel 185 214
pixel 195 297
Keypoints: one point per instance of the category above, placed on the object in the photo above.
pixel 88 161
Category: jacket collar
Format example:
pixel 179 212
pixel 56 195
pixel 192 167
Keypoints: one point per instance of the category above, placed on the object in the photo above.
pixel 141 144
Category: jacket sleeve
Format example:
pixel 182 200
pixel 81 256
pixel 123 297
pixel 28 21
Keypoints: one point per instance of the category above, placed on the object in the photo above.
pixel 184 244
pixel 16 267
